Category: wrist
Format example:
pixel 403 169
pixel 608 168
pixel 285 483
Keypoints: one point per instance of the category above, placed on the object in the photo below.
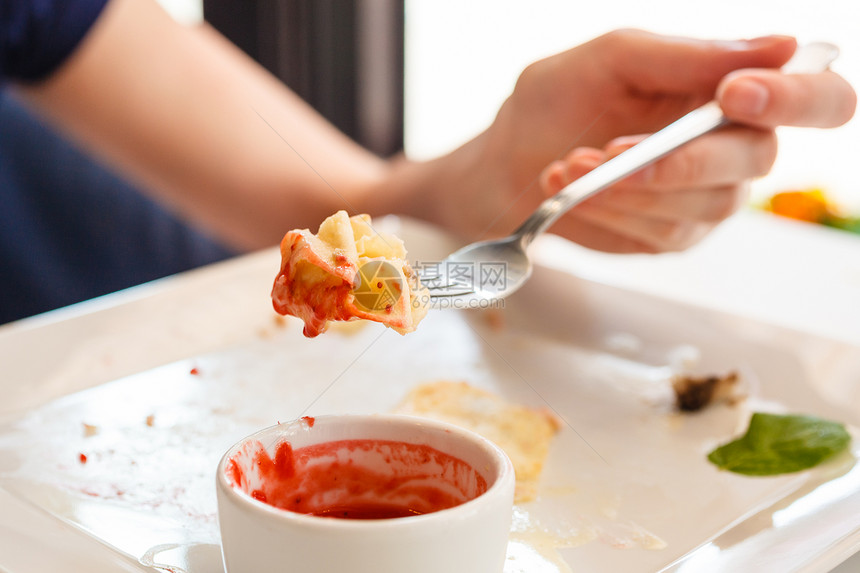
pixel 455 191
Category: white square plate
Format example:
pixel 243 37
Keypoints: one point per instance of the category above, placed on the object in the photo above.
pixel 153 390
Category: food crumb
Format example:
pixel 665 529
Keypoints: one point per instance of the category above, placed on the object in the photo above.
pixel 692 393
pixel 684 357
pixel 494 319
pixel 83 458
pixel 90 430
pixel 150 420
pixel 623 343
pixel 195 371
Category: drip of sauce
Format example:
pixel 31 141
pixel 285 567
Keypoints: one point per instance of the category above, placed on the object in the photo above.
pixel 355 479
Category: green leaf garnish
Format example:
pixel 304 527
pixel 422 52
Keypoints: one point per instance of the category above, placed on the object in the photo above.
pixel 777 444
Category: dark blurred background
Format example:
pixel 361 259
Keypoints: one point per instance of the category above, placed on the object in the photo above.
pixel 72 229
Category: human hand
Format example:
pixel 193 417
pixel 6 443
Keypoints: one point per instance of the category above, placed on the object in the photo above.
pixel 631 82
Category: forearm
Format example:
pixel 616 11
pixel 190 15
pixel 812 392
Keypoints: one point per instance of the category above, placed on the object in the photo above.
pixel 467 191
pixel 207 130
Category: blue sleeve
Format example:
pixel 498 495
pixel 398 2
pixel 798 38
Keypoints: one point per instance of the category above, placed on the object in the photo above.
pixel 36 36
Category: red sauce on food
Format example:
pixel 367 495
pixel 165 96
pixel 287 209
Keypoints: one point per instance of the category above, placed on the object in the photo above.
pixel 314 302
pixel 355 479
pixel 317 287
pixel 309 420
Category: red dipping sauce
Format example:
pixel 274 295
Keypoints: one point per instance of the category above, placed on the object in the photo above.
pixel 355 479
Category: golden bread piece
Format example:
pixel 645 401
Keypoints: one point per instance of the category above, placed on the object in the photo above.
pixel 523 433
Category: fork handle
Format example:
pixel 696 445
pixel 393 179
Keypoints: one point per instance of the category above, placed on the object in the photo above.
pixel 811 58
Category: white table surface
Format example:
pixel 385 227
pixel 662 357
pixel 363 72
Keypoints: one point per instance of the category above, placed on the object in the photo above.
pixel 756 265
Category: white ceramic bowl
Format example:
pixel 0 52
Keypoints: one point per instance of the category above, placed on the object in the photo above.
pixel 388 460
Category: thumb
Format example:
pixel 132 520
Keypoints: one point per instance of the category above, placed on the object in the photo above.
pixel 685 66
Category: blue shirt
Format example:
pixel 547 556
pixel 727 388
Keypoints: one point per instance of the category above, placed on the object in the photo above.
pixel 36 36
pixel 70 229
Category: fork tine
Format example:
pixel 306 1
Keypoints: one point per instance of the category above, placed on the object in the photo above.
pixel 441 286
pixel 447 286
pixel 429 279
pixel 450 290
pixel 437 295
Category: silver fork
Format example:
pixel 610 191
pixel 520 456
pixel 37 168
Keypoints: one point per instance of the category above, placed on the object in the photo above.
pixel 482 272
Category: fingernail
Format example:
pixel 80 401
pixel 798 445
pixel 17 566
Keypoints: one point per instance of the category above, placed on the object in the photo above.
pixel 759 43
pixel 763 41
pixel 745 97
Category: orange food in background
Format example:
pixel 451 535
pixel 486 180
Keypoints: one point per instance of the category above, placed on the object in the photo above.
pixel 813 206
pixel 810 205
